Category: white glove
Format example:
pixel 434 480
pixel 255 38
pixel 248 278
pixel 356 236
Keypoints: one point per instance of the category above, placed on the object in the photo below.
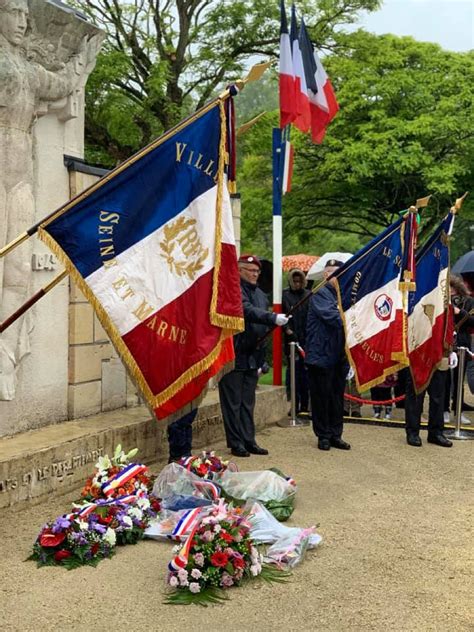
pixel 453 360
pixel 281 320
pixel 351 374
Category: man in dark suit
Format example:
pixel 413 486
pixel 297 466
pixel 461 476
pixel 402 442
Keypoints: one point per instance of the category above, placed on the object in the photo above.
pixel 326 363
pixel 237 388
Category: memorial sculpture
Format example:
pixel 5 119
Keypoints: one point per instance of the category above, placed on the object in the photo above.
pixel 44 65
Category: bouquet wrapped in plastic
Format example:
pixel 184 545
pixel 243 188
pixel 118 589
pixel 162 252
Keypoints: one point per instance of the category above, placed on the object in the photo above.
pixel 289 544
pixel 176 480
pixel 269 487
pixel 207 465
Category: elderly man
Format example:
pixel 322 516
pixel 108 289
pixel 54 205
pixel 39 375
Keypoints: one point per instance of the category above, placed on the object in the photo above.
pixel 237 388
pixel 326 363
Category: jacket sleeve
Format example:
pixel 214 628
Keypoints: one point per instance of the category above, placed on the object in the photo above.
pixel 327 309
pixel 253 314
pixel 469 322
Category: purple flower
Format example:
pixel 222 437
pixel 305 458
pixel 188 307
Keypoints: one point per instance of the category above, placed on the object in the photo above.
pixel 60 524
pixel 100 528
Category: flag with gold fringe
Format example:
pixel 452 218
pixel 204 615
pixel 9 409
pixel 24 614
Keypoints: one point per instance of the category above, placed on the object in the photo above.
pixel 151 245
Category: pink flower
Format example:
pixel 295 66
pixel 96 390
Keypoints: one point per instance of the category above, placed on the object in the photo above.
pixel 173 581
pixel 207 536
pixel 194 587
pixel 226 580
pixel 199 559
pixel 196 573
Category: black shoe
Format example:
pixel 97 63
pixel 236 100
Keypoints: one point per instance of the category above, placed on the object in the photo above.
pixel 239 452
pixel 340 444
pixel 324 444
pixel 414 440
pixel 441 440
pixel 256 449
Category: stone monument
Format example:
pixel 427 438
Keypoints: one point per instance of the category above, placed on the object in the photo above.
pixel 47 51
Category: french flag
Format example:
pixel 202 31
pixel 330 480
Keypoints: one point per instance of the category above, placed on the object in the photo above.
pixel 371 292
pixel 288 111
pixel 303 114
pixel 151 245
pixel 430 327
pixel 323 105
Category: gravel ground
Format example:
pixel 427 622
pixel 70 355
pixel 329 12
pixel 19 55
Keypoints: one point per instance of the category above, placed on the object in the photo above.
pixel 397 554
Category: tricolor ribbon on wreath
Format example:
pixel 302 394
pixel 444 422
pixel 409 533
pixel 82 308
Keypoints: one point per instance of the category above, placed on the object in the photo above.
pixel 122 477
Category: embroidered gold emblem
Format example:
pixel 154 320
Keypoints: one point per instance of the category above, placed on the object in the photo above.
pixel 182 248
pixel 429 312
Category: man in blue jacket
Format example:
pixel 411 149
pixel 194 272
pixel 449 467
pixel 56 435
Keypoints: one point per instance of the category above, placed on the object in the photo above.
pixel 326 363
pixel 237 388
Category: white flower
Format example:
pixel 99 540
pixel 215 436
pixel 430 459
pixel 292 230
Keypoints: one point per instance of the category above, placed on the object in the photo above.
pixel 255 569
pixel 83 526
pixel 194 587
pixel 135 512
pixel 110 537
pixel 217 528
pixel 143 503
pixel 177 548
pixel 103 464
pixel 254 556
pixel 173 581
pixel 196 573
pixel 127 522
pixel 183 573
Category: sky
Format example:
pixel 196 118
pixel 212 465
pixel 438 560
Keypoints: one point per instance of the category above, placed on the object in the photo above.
pixel 449 23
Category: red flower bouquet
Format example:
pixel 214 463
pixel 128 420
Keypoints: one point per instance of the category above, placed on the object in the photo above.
pixel 207 465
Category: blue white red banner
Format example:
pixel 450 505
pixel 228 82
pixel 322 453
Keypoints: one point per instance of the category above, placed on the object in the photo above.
pixel 430 330
pixel 372 299
pixel 151 245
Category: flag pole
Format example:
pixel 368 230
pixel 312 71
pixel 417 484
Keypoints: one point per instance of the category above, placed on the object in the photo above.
pixel 32 300
pixel 277 254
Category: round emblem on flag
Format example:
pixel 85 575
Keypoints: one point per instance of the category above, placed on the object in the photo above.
pixel 383 306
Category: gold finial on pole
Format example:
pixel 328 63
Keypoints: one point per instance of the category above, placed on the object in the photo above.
pixel 457 205
pixel 423 202
pixel 246 126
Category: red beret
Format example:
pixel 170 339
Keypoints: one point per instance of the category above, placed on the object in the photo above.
pixel 250 259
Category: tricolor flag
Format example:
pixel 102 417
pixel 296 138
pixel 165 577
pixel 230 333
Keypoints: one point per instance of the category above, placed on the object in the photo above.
pixel 303 114
pixel 372 290
pixel 287 166
pixel 430 327
pixel 151 245
pixel 286 76
pixel 322 100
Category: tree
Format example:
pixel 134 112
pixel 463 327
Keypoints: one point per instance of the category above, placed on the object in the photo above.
pixel 405 129
pixel 163 59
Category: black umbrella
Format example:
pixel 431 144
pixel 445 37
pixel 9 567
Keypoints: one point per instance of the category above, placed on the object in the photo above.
pixel 465 264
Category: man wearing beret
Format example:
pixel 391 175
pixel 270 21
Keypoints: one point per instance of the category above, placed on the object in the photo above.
pixel 237 388
pixel 326 363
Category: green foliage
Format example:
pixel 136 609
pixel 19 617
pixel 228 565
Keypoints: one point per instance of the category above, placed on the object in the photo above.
pixel 162 60
pixel 405 129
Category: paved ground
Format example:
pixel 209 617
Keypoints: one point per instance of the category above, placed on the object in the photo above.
pixel 398 551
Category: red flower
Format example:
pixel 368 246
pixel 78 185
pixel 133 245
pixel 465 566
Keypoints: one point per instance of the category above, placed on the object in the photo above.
pixel 219 559
pixel 226 536
pixel 238 562
pixel 202 470
pixel 50 539
pixel 95 548
pixel 61 555
pixel 106 519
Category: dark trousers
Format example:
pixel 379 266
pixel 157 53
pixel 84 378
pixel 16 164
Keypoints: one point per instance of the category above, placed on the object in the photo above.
pixel 180 436
pixel 414 405
pixel 400 387
pixel 237 397
pixel 326 387
pixel 301 384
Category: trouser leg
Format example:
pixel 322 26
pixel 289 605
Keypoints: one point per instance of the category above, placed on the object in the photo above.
pixel 230 396
pixel 247 407
pixel 413 408
pixel 320 385
pixel 436 404
pixel 447 390
pixel 180 435
pixel 337 400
